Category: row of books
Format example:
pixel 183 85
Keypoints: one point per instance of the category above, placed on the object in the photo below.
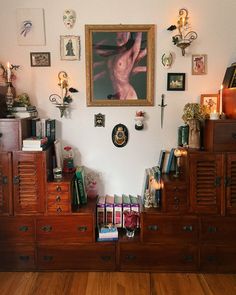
pixel 25 112
pixel 107 232
pixel 110 209
pixel 79 188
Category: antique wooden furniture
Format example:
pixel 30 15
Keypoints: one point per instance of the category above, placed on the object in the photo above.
pixel 193 230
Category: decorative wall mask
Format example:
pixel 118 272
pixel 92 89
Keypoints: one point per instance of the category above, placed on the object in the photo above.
pixel 120 135
pixel 99 120
pixel 167 60
pixel 69 18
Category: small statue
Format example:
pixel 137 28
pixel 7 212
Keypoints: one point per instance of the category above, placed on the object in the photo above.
pixel 148 199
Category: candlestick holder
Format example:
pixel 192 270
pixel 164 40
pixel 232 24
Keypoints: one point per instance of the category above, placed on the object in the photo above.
pixel 9 99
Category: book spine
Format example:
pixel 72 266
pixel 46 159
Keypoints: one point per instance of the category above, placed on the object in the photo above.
pixel 100 215
pixel 81 186
pixel 118 215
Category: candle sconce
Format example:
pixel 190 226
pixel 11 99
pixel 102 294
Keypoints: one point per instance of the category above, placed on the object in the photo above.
pixel 63 101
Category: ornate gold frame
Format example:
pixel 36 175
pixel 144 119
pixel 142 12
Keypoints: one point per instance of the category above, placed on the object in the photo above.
pixel 93 32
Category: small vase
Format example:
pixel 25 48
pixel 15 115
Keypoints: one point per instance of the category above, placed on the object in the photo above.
pixel 130 232
pixel 131 221
pixel 194 140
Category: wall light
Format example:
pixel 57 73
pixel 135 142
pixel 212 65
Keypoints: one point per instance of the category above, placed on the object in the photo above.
pixel 62 101
pixel 185 36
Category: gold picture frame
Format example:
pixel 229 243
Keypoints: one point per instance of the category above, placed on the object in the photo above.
pixel 120 65
pixel 211 101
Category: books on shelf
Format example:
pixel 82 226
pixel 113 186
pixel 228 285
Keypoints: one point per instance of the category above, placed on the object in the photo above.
pixel 170 162
pixel 25 114
pixel 101 200
pixel 35 144
pixel 79 173
pixel 117 211
pixel 109 208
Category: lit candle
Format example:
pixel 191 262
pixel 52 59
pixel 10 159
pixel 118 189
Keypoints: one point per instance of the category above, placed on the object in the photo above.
pixel 221 88
pixel 8 72
pixel 214 115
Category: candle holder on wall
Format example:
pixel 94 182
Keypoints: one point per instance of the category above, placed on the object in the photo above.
pixel 63 101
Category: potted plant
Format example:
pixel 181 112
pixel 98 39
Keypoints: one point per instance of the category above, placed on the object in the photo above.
pixel 193 115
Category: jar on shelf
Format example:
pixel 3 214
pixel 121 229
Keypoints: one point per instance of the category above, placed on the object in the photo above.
pixel 68 159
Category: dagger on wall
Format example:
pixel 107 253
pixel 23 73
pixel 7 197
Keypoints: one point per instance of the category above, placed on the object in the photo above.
pixel 162 105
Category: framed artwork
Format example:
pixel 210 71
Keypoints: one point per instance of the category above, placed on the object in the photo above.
pixel 176 81
pixel 199 64
pixel 70 47
pixel 120 65
pixel 30 26
pixel 40 59
pixel 211 101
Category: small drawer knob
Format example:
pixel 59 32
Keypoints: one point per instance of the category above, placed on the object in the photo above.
pixel 58 188
pixel 23 228
pixel 130 257
pixel 46 228
pixel 82 228
pixel 58 199
pixel 24 257
pixel 153 227
pixel 188 228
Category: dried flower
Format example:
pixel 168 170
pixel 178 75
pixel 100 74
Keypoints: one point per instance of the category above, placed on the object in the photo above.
pixel 194 111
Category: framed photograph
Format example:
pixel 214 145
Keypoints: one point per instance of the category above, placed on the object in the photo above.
pixel 176 81
pixel 40 59
pixel 120 65
pixel 211 101
pixel 70 47
pixel 199 64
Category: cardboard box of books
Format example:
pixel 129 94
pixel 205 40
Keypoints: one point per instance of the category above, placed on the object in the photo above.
pixel 125 206
pixel 135 206
pixel 109 205
pixel 118 211
pixel 101 210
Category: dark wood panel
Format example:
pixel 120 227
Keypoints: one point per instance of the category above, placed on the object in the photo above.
pixel 6 207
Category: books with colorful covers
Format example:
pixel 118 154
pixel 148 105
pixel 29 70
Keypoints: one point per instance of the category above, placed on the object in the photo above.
pixel 76 199
pixel 79 172
pixel 135 205
pixel 107 233
pixel 161 160
pixel 117 211
pixel 51 129
pixel 101 200
pixel 170 162
pixel 109 209
pixel 125 206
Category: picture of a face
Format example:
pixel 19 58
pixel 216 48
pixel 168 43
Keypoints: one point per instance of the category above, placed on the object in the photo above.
pixel 69 18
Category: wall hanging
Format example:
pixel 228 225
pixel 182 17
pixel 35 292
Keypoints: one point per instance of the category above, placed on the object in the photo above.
pixel 40 59
pixel 120 135
pixel 69 18
pixel 199 64
pixel 176 81
pixel 70 47
pixel 120 65
pixel 99 120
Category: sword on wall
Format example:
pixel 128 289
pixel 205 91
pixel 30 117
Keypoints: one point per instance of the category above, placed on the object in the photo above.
pixel 162 105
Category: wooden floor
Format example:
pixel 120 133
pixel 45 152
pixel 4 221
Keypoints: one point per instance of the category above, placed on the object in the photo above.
pixel 115 283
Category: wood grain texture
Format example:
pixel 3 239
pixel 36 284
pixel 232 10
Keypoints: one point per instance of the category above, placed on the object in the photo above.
pixel 115 283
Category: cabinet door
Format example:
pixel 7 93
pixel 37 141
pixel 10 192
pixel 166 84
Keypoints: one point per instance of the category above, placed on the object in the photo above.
pixel 161 257
pixel 5 184
pixel 206 182
pixel 29 180
pixel 231 184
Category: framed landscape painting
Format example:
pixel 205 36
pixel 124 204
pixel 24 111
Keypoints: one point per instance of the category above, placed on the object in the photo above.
pixel 120 65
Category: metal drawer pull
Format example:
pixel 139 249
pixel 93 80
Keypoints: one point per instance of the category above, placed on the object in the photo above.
pixel 212 229
pixel 46 228
pixel 58 198
pixel 59 210
pixel 4 180
pixel 16 179
pixel 234 135
pixel 24 257
pixel 217 181
pixel 106 258
pixel 82 228
pixel 153 227
pixel 48 258
pixel 188 228
pixel 23 228
pixel 211 258
pixel 58 189
pixel 188 258
pixel 130 257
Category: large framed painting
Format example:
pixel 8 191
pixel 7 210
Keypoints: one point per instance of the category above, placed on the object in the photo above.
pixel 120 65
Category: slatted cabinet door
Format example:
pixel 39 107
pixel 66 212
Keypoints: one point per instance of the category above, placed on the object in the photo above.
pixel 29 182
pixel 231 184
pixel 206 172
pixel 5 184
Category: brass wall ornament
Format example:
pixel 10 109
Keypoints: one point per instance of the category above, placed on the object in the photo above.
pixel 185 36
pixel 120 135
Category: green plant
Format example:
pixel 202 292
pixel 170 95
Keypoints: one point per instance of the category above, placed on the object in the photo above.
pixel 194 111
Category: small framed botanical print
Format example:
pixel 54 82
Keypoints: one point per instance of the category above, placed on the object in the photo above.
pixel 211 101
pixel 40 59
pixel 70 47
pixel 176 81
pixel 199 64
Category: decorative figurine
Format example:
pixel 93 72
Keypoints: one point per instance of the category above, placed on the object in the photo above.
pixel 69 18
pixel 167 60
pixel 99 120
pixel 139 118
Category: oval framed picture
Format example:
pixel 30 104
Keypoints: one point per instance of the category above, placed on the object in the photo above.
pixel 120 135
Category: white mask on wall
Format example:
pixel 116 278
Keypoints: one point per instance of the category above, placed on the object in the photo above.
pixel 69 18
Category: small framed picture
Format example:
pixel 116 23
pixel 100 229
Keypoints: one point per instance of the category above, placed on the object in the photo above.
pixel 70 47
pixel 40 59
pixel 176 81
pixel 211 101
pixel 199 64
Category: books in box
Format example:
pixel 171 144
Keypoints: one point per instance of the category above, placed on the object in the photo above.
pixel 135 205
pixel 101 210
pixel 109 206
pixel 125 206
pixel 118 211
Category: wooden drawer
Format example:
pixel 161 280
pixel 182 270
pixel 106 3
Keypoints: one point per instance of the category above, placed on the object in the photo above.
pixel 218 258
pixel 162 257
pixel 57 187
pixel 20 257
pixel 20 229
pixel 218 229
pixel 58 208
pixel 171 229
pixel 65 229
pixel 80 257
pixel 220 135
pixel 176 199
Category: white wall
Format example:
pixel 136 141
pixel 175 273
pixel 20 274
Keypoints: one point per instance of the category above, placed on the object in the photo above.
pixel 121 169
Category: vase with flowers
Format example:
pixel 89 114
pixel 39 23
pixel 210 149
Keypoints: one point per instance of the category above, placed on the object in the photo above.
pixel 194 115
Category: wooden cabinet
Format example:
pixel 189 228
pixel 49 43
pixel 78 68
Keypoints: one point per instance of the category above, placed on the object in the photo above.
pixel 6 207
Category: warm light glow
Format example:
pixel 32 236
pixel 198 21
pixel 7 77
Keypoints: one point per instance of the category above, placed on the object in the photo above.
pixel 178 153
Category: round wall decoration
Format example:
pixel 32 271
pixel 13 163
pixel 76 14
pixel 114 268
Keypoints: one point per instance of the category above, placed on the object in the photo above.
pixel 120 135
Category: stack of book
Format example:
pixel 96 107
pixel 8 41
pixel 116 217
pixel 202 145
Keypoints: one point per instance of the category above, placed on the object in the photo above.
pixel 79 193
pixel 35 144
pixel 44 128
pixel 107 233
pixel 25 112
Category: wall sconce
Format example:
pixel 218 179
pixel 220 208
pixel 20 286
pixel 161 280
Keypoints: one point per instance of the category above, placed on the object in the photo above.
pixel 62 101
pixel 185 36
